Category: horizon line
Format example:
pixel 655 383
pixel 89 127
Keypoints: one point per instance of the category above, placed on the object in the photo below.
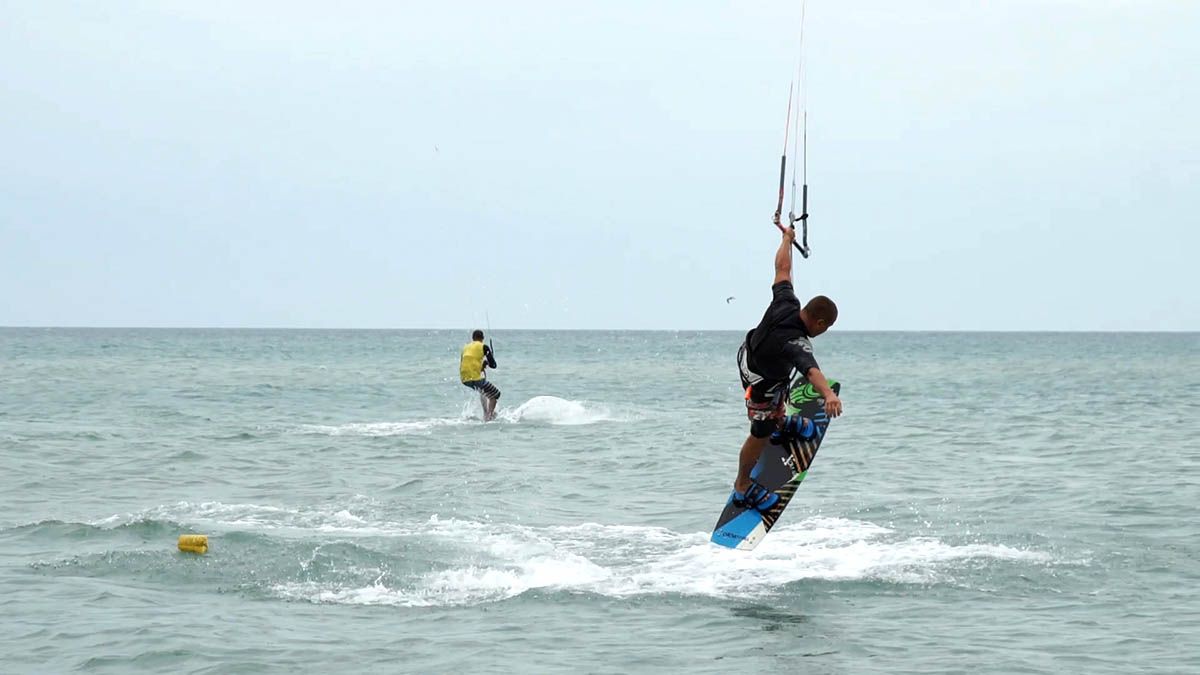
pixel 587 330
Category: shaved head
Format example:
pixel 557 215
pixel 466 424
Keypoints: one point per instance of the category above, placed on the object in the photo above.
pixel 821 309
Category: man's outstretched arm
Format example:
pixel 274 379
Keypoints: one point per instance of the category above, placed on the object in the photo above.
pixel 783 257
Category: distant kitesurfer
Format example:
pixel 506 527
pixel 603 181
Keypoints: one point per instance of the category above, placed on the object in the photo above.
pixel 778 347
pixel 472 369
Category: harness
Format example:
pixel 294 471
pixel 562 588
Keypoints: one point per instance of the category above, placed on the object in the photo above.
pixel 766 410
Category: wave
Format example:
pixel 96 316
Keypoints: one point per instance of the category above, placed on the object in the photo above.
pixel 558 411
pixel 538 410
pixel 625 561
pixel 422 427
pixel 219 517
pixel 451 562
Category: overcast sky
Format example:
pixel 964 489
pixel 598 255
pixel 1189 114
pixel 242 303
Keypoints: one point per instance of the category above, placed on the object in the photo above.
pixel 972 165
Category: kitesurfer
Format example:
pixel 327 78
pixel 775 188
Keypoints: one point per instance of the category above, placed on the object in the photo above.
pixel 779 348
pixel 477 357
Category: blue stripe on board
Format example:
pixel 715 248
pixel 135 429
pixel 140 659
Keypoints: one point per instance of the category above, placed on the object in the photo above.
pixel 735 531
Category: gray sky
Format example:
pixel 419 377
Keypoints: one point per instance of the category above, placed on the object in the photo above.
pixel 972 165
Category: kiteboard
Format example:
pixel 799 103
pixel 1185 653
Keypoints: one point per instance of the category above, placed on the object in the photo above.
pixel 780 469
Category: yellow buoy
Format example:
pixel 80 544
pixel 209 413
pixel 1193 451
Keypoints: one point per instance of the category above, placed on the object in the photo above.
pixel 193 543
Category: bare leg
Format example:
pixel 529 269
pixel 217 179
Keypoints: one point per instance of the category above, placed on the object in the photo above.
pixel 751 450
pixel 483 404
pixel 490 409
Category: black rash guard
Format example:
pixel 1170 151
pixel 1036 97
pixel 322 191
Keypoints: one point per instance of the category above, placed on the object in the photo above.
pixel 780 342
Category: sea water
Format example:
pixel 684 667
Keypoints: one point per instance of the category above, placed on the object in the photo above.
pixel 988 503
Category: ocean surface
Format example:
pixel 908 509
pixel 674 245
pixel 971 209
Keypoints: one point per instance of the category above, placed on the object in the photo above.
pixel 1009 503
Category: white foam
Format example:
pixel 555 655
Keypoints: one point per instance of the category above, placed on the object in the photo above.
pixel 375 594
pixel 555 410
pixel 218 517
pixel 422 427
pixel 817 549
pixel 539 409
pixel 495 561
pixel 629 560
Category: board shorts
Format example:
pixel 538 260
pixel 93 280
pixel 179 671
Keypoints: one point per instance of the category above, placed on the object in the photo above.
pixel 484 387
pixel 764 398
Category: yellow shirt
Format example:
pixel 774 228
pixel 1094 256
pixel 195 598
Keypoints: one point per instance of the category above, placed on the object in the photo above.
pixel 471 366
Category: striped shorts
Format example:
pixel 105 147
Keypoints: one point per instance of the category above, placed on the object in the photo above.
pixel 764 399
pixel 484 387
